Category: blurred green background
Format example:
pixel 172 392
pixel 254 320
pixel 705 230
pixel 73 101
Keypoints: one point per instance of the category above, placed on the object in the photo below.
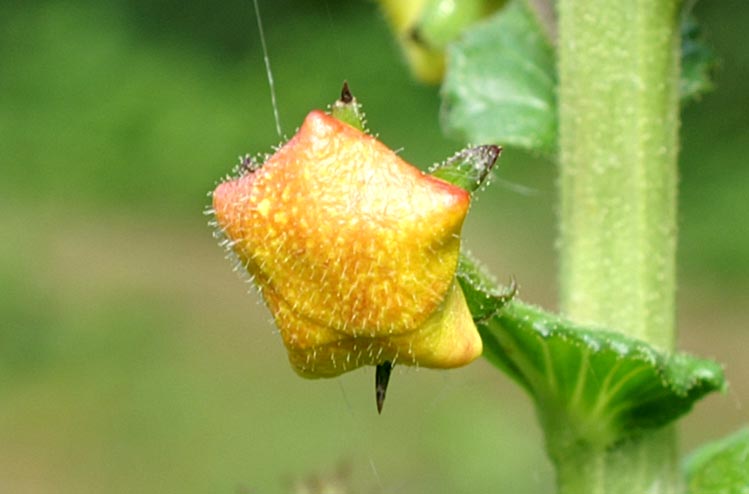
pixel 132 359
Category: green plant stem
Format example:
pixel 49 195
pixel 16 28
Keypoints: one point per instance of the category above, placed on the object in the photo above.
pixel 618 137
pixel 618 111
pixel 644 466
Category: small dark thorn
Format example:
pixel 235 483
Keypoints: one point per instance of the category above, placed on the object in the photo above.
pixel 346 96
pixel 504 298
pixel 248 165
pixel 382 376
pixel 512 290
pixel 492 152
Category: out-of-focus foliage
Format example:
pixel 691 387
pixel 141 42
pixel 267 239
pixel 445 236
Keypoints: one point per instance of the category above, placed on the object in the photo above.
pixel 697 61
pixel 721 467
pixel 501 84
pixel 424 28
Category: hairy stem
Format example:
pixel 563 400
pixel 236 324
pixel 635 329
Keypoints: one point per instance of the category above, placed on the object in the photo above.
pixel 645 466
pixel 618 104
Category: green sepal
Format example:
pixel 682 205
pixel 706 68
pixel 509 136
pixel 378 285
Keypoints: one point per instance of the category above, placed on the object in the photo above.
pixel 721 467
pixel 469 168
pixel 348 110
pixel 591 386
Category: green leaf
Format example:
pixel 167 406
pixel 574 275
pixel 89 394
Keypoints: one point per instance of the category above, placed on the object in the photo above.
pixel 721 467
pixel 591 386
pixel 697 62
pixel 500 83
pixel 348 110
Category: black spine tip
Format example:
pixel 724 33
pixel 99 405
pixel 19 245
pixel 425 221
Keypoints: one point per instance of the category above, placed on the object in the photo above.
pixel 492 151
pixel 346 96
pixel 248 165
pixel 382 377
